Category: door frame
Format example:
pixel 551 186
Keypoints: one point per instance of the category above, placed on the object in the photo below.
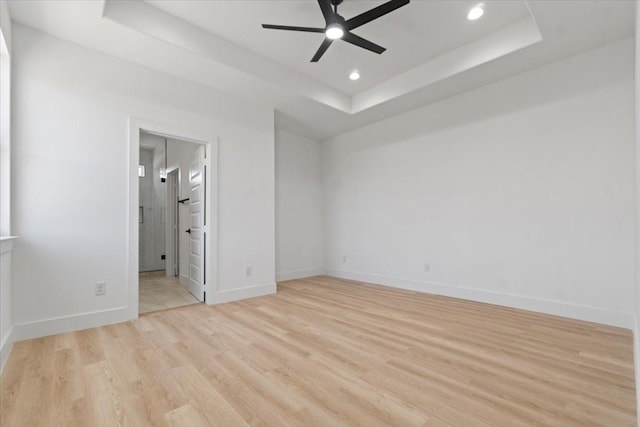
pixel 211 142
pixel 172 236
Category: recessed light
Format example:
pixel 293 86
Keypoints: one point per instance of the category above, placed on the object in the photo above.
pixel 476 12
pixel 355 75
pixel 334 31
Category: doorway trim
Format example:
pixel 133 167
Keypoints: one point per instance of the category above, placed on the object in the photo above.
pixel 211 142
pixel 172 223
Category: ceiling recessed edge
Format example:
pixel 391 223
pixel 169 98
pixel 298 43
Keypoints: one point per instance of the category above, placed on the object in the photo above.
pixel 512 38
pixel 147 19
pixel 144 18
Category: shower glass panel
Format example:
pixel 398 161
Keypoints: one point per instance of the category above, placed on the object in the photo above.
pixel 153 193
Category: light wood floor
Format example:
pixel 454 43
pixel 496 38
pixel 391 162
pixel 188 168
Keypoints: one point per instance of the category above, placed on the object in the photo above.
pixel 159 292
pixel 327 352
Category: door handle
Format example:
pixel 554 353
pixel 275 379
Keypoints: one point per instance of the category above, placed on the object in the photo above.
pixel 188 231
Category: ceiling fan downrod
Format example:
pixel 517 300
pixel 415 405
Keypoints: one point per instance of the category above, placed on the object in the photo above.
pixel 335 4
pixel 337 28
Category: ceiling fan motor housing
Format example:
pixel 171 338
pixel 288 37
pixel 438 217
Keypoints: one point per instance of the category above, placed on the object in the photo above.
pixel 336 27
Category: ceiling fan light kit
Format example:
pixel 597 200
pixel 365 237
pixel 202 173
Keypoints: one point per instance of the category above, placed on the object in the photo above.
pixel 476 12
pixel 338 28
pixel 334 32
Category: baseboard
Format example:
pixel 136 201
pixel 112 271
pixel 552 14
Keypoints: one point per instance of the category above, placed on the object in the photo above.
pixel 298 274
pixel 184 280
pixel 5 347
pixel 636 361
pixel 579 312
pixel 242 293
pixel 60 325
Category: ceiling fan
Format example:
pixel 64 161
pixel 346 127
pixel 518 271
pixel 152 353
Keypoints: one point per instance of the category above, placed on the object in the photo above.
pixel 339 28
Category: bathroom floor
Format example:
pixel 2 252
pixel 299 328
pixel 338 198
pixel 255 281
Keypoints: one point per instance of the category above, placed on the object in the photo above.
pixel 159 292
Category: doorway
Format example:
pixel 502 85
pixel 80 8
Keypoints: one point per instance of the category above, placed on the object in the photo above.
pixel 172 222
pixel 172 227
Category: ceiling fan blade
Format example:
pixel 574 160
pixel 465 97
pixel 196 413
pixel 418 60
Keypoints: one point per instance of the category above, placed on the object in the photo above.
pixel 321 50
pixel 374 13
pixel 325 7
pixel 290 28
pixel 363 43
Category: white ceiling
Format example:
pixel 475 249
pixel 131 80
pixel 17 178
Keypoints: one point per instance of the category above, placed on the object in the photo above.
pixel 433 50
pixel 412 34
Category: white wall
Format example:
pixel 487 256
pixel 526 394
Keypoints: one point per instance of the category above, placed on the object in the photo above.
pixel 7 336
pixel 298 207
pixel 71 169
pixel 5 120
pixel 6 316
pixel 636 334
pixel 518 193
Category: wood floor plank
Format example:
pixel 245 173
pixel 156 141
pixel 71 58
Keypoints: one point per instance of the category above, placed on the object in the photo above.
pixel 205 396
pixel 327 352
pixel 185 416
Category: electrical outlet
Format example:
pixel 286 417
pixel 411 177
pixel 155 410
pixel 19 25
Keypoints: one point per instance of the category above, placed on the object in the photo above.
pixel 249 271
pixel 101 288
pixel 344 258
pixel 427 267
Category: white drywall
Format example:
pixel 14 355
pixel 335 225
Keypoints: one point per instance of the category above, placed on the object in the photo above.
pixel 5 120
pixel 518 193
pixel 6 316
pixel 71 166
pixel 6 322
pixel 298 207
pixel 636 330
pixel 6 24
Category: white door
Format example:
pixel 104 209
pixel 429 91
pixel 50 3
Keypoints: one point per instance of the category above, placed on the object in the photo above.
pixel 196 230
